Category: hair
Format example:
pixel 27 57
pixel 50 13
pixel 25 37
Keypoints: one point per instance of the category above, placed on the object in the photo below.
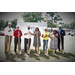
pixel 36 28
pixel 55 31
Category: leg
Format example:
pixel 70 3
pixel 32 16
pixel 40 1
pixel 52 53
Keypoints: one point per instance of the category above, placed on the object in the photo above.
pixel 46 44
pixel 6 43
pixel 29 43
pixel 25 45
pixel 10 42
pixel 59 44
pixel 43 45
pixel 15 43
pixel 62 43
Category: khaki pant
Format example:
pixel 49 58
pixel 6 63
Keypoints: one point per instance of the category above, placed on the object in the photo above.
pixel 8 40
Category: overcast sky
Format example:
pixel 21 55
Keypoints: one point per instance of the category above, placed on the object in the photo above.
pixel 68 17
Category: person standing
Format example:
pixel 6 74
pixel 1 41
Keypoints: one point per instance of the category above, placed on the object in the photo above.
pixel 8 36
pixel 27 40
pixel 45 40
pixel 61 34
pixel 17 39
pixel 36 43
pixel 54 41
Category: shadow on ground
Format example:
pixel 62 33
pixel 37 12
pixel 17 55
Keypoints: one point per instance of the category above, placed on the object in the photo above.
pixel 42 55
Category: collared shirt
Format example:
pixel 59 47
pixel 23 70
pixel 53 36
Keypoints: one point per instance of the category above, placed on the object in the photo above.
pixel 28 36
pixel 8 33
pixel 59 30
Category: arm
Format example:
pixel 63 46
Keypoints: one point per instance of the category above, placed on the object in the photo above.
pixel 15 35
pixel 56 36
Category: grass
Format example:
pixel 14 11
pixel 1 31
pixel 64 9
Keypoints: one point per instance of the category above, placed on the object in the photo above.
pixel 42 56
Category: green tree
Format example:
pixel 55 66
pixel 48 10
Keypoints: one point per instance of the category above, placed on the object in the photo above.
pixel 72 25
pixel 1 24
pixel 32 16
pixel 14 23
pixel 54 18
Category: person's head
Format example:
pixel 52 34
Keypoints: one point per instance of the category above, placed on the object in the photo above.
pixel 37 29
pixel 45 30
pixel 60 26
pixel 9 24
pixel 28 27
pixel 54 31
pixel 17 27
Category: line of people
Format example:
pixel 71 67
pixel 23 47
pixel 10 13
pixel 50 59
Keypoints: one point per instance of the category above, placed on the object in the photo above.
pixel 57 39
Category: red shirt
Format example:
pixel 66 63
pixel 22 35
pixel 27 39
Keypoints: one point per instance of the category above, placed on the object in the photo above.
pixel 16 32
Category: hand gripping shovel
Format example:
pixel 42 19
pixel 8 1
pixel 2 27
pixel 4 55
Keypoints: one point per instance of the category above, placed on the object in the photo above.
pixel 28 51
pixel 38 51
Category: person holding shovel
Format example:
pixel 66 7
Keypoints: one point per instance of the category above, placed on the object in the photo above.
pixel 8 37
pixel 27 41
pixel 54 41
pixel 17 39
pixel 45 37
pixel 36 42
pixel 61 34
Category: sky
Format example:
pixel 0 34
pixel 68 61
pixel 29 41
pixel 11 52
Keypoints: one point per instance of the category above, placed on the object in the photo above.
pixel 68 17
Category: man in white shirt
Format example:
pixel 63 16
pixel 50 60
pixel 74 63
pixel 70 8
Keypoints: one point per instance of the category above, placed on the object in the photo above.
pixel 8 36
pixel 27 39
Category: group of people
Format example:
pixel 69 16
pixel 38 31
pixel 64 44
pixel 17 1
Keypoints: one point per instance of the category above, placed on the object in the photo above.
pixel 57 39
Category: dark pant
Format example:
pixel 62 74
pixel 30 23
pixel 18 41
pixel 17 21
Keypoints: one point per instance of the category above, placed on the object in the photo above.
pixel 25 44
pixel 17 41
pixel 61 43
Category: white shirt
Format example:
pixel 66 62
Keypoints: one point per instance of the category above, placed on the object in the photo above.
pixel 28 36
pixel 8 33
pixel 59 30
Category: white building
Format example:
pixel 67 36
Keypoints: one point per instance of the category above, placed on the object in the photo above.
pixel 33 25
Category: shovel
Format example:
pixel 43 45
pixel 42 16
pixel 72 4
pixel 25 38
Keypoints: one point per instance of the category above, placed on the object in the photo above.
pixel 9 52
pixel 28 51
pixel 19 51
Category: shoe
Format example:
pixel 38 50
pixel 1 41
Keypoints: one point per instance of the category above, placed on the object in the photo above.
pixel 5 52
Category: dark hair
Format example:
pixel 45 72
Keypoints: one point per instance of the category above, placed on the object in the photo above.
pixel 55 31
pixel 36 28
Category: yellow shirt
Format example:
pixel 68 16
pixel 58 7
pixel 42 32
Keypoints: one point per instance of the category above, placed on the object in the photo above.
pixel 46 38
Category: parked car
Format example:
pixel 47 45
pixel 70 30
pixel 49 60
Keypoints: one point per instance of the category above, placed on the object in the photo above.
pixel 2 34
pixel 72 33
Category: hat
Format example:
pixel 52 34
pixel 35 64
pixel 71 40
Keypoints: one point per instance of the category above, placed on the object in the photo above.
pixel 9 23
pixel 17 25
pixel 59 25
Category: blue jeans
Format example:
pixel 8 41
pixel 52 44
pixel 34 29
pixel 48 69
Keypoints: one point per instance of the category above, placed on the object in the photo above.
pixel 45 44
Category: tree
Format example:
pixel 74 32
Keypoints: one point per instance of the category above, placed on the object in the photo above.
pixel 54 17
pixel 14 23
pixel 32 16
pixel 1 24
